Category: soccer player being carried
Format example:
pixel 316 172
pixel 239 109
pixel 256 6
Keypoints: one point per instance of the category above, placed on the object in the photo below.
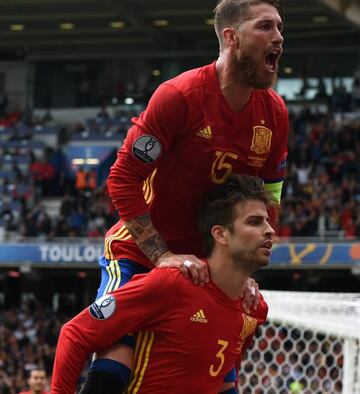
pixel 198 128
pixel 188 337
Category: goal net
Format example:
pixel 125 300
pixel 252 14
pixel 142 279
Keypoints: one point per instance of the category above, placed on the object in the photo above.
pixel 309 345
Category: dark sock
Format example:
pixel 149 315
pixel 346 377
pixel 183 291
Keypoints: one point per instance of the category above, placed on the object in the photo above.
pixel 101 382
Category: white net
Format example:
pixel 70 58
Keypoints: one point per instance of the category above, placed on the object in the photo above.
pixel 310 345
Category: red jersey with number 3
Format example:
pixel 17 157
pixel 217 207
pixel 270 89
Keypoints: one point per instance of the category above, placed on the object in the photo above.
pixel 187 337
pixel 185 142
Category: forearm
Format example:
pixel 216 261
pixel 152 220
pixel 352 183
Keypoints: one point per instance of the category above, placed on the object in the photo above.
pixel 147 237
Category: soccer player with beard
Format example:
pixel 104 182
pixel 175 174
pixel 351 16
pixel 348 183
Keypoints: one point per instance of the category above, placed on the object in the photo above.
pixel 198 128
pixel 189 336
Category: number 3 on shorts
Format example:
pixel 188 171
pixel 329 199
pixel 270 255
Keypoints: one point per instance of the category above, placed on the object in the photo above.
pixel 214 370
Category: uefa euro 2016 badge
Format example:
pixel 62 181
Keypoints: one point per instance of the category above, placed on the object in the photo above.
pixel 146 148
pixel 103 308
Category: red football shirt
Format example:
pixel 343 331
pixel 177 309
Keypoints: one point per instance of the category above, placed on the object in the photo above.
pixel 187 141
pixel 188 337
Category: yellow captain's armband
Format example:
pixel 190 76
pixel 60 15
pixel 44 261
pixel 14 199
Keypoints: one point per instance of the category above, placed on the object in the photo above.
pixel 275 188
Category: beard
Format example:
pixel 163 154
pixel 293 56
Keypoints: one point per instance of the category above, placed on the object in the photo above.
pixel 249 261
pixel 251 75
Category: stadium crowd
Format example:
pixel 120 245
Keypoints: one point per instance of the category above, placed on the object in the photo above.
pixel 28 337
pixel 321 196
pixel 322 188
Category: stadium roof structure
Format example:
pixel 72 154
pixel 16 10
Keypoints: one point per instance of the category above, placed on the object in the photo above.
pixel 324 34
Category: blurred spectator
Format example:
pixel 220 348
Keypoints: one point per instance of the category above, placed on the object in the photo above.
pixel 81 181
pixel 48 118
pixel 7 215
pixel 37 382
pixel 321 90
pixel 27 115
pixel 27 342
pixel 42 173
pixel 102 114
pixel 4 101
pixel 85 180
pixel 355 93
pixel 341 99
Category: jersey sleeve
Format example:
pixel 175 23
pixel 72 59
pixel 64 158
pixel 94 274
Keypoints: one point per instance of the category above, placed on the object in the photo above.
pixel 136 306
pixel 146 144
pixel 274 170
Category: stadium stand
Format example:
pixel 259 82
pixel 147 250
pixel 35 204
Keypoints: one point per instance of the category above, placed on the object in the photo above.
pixel 28 340
pixel 321 195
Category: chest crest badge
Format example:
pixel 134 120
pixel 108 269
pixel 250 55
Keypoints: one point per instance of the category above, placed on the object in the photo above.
pixel 261 141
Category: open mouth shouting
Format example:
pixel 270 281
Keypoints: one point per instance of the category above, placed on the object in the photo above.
pixel 272 60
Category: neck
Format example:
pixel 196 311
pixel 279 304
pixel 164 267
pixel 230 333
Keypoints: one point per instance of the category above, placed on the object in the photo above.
pixel 223 273
pixel 236 92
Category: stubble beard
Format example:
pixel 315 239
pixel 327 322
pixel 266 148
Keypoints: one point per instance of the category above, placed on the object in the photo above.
pixel 250 75
pixel 247 261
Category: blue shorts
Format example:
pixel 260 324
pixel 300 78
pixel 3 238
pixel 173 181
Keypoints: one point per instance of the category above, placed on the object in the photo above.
pixel 115 273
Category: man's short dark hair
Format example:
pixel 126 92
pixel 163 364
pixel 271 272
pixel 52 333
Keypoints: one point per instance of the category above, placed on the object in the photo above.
pixel 231 13
pixel 217 207
pixel 37 369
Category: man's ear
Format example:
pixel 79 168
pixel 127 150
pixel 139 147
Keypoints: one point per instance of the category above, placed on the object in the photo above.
pixel 219 234
pixel 231 38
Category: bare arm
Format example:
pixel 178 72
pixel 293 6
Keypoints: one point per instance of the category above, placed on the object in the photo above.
pixel 147 237
pixel 152 244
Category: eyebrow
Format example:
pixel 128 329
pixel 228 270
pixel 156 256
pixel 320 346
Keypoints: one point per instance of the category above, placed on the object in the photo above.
pixel 270 20
pixel 258 216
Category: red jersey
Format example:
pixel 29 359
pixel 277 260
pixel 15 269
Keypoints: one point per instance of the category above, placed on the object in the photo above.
pixel 188 337
pixel 185 142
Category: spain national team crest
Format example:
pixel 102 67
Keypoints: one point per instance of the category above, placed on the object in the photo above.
pixel 261 141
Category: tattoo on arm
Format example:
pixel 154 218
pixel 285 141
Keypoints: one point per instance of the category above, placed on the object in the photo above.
pixel 153 247
pixel 139 226
pixel 146 236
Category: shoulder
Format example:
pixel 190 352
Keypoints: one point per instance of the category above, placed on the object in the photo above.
pixel 177 95
pixel 188 81
pixel 158 279
pixel 165 284
pixel 166 276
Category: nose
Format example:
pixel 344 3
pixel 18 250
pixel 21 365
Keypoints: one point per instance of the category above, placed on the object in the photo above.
pixel 269 231
pixel 278 39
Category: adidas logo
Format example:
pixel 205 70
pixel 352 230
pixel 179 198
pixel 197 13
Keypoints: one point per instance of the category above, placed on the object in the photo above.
pixel 199 317
pixel 205 133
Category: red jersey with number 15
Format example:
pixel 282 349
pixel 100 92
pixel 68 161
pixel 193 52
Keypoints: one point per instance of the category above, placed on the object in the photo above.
pixel 187 337
pixel 185 142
